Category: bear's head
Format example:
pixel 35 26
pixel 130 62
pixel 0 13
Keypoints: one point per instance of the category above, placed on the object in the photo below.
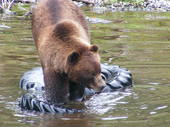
pixel 84 68
pixel 82 63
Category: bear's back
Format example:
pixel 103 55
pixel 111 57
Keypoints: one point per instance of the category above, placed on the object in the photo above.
pixel 50 12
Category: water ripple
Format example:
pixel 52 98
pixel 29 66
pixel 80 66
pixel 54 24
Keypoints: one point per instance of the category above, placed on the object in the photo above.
pixel 4 26
pixel 161 107
pixel 104 102
pixel 114 118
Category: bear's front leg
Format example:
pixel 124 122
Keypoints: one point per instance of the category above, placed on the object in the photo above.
pixel 76 91
pixel 56 87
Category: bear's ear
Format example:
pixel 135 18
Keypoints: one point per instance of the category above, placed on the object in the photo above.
pixel 64 29
pixel 94 48
pixel 73 58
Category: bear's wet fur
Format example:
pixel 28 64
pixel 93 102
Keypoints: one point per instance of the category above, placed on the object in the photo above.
pixel 70 63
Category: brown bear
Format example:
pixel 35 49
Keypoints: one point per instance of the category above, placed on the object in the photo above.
pixel 61 36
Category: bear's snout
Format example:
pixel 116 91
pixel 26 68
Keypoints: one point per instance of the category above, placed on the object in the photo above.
pixel 97 83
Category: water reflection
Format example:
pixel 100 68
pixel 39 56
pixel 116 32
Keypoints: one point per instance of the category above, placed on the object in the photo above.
pixel 65 123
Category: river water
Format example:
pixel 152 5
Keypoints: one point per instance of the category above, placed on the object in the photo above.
pixel 139 41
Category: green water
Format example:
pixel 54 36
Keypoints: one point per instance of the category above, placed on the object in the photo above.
pixel 139 41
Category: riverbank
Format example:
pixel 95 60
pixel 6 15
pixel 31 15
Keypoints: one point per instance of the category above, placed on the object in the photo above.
pixel 121 5
pixel 128 5
pixel 97 6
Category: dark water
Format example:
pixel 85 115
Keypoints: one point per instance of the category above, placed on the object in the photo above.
pixel 139 41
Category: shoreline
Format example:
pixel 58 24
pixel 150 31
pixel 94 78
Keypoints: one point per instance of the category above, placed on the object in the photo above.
pixel 98 6
pixel 146 5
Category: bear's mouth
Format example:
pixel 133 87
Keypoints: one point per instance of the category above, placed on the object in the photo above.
pixel 94 87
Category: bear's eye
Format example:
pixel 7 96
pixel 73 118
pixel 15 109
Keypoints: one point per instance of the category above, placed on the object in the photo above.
pixel 73 58
pixel 94 48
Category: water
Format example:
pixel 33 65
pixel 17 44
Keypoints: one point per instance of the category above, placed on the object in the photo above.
pixel 139 41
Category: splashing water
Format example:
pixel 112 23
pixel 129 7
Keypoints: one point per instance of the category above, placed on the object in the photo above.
pixel 104 102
